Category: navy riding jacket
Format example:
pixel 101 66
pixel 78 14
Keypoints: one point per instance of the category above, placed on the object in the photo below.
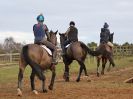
pixel 39 32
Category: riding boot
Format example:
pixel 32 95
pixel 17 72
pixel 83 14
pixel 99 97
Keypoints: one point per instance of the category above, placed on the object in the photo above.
pixel 54 61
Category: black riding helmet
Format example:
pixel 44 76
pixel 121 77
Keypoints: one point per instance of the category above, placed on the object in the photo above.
pixel 105 25
pixel 72 23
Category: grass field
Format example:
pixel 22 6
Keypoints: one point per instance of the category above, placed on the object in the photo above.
pixel 8 81
pixel 10 72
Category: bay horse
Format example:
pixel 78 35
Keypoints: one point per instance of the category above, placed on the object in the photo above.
pixel 105 57
pixel 76 51
pixel 39 60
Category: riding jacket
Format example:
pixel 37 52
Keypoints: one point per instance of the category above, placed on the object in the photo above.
pixel 40 31
pixel 104 35
pixel 72 33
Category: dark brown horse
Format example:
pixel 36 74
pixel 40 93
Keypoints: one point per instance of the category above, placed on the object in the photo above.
pixel 107 55
pixel 39 60
pixel 76 51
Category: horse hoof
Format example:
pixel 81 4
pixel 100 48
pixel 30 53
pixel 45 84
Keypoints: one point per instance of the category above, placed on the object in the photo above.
pixel 108 70
pixel 45 91
pixel 67 80
pixel 64 77
pixel 50 87
pixel 19 92
pixel 77 80
pixel 102 73
pixel 35 92
pixel 87 78
pixel 98 75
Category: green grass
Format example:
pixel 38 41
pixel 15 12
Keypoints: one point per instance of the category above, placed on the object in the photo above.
pixel 9 73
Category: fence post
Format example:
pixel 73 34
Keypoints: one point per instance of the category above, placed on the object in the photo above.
pixel 10 57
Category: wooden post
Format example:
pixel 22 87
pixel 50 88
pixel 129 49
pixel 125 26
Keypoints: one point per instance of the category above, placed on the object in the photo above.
pixel 10 55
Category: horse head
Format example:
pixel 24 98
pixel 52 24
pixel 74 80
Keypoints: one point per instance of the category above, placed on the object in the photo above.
pixel 63 38
pixel 53 38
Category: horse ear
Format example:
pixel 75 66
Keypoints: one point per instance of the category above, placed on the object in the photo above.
pixel 113 33
pixel 59 33
pixel 56 32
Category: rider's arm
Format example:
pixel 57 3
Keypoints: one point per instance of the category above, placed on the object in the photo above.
pixel 47 33
pixel 66 33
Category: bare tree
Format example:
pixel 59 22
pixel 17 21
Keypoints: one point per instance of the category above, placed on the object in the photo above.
pixel 9 44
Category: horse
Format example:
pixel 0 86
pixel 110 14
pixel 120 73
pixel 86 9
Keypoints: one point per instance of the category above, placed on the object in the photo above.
pixel 105 48
pixel 39 60
pixel 76 51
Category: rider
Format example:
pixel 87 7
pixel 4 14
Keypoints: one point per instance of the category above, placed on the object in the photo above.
pixel 105 35
pixel 40 30
pixel 71 34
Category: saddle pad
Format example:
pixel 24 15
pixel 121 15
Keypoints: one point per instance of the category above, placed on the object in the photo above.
pixel 47 49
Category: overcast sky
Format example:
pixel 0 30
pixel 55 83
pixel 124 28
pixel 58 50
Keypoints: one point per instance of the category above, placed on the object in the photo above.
pixel 17 18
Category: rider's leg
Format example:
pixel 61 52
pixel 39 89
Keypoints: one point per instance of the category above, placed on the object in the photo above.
pixel 53 48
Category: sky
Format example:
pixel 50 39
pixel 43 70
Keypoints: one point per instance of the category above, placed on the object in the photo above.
pixel 17 18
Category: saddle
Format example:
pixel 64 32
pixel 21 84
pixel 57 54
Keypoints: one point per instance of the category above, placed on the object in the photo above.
pixel 45 47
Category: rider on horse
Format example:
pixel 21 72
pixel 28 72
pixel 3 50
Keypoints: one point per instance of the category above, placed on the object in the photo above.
pixel 105 35
pixel 71 34
pixel 40 30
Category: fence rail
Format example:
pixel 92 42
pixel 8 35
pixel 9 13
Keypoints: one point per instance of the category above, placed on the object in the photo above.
pixel 13 58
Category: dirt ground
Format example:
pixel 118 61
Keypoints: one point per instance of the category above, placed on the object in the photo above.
pixel 108 86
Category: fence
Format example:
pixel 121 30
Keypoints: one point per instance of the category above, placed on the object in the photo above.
pixel 13 58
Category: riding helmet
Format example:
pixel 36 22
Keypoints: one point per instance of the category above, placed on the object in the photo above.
pixel 72 23
pixel 106 25
pixel 40 18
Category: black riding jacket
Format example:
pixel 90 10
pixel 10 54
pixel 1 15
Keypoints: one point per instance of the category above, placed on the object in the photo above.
pixel 72 34
pixel 104 35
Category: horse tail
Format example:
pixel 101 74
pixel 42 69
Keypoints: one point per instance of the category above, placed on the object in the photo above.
pixel 93 53
pixel 34 66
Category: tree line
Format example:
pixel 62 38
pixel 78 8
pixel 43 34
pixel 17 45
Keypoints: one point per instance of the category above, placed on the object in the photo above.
pixel 10 46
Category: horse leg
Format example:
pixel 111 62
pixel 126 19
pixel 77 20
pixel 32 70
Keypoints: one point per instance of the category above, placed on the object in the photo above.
pixel 43 83
pixel 20 77
pixel 103 65
pixel 32 77
pixel 80 70
pixel 22 65
pixel 53 78
pixel 98 64
pixel 66 73
pixel 110 57
pixel 84 67
pixel 109 67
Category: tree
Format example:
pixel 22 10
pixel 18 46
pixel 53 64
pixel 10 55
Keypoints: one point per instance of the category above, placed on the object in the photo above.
pixel 126 44
pixel 92 44
pixel 10 46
